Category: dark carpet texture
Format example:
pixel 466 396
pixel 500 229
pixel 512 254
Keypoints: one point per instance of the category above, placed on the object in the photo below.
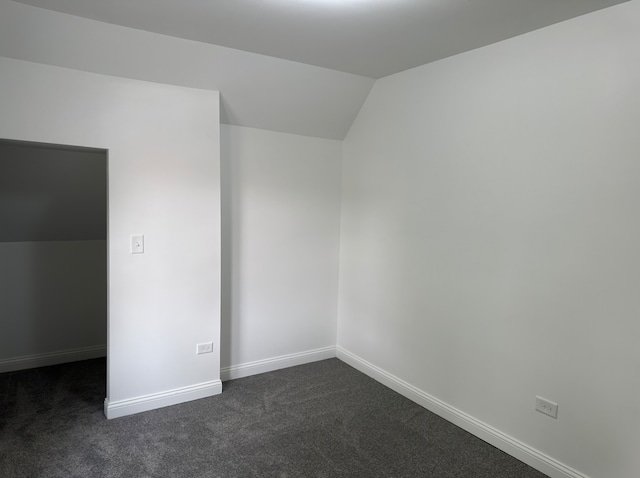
pixel 323 419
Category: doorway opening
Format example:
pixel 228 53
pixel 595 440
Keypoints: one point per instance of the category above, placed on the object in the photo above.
pixel 53 254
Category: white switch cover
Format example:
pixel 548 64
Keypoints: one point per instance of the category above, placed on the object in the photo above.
pixel 137 244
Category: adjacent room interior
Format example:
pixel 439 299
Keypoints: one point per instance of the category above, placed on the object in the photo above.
pixel 464 231
pixel 53 249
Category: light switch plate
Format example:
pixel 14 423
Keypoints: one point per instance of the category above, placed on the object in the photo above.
pixel 137 244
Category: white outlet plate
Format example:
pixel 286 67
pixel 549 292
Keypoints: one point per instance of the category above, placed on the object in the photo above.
pixel 205 348
pixel 547 407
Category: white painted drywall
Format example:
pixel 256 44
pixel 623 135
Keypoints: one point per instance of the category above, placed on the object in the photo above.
pixel 163 147
pixel 53 298
pixel 256 90
pixel 281 218
pixel 490 231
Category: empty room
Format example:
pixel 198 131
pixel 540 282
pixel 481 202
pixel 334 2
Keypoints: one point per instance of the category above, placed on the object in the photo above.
pixel 343 238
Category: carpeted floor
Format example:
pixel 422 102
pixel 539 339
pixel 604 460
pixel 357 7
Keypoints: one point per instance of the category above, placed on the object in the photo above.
pixel 323 419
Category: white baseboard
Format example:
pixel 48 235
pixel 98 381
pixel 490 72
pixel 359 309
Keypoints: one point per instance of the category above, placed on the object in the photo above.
pixel 276 363
pixel 53 358
pixel 145 403
pixel 150 402
pixel 500 440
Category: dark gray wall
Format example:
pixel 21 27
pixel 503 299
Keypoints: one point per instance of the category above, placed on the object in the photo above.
pixel 51 193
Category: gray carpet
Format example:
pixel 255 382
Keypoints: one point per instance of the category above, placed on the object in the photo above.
pixel 323 419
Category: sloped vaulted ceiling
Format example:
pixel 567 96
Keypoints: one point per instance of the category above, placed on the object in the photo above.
pixel 297 66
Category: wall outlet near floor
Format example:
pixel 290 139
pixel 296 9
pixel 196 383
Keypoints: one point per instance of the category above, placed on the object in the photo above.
pixel 547 407
pixel 205 348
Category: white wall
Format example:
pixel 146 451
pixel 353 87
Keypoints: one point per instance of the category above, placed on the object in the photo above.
pixel 281 217
pixel 489 241
pixel 53 302
pixel 308 170
pixel 163 147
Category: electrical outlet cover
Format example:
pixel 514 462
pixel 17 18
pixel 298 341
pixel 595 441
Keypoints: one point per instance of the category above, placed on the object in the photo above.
pixel 547 407
pixel 205 348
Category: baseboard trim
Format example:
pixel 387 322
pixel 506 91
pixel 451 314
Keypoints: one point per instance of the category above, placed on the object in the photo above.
pixel 145 403
pixel 52 358
pixel 500 440
pixel 276 363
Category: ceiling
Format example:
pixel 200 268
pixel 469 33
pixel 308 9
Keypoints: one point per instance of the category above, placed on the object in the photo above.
pixel 371 38
pixel 302 67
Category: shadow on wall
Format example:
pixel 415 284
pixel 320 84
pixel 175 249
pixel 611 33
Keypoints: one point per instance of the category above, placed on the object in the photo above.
pixel 226 249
